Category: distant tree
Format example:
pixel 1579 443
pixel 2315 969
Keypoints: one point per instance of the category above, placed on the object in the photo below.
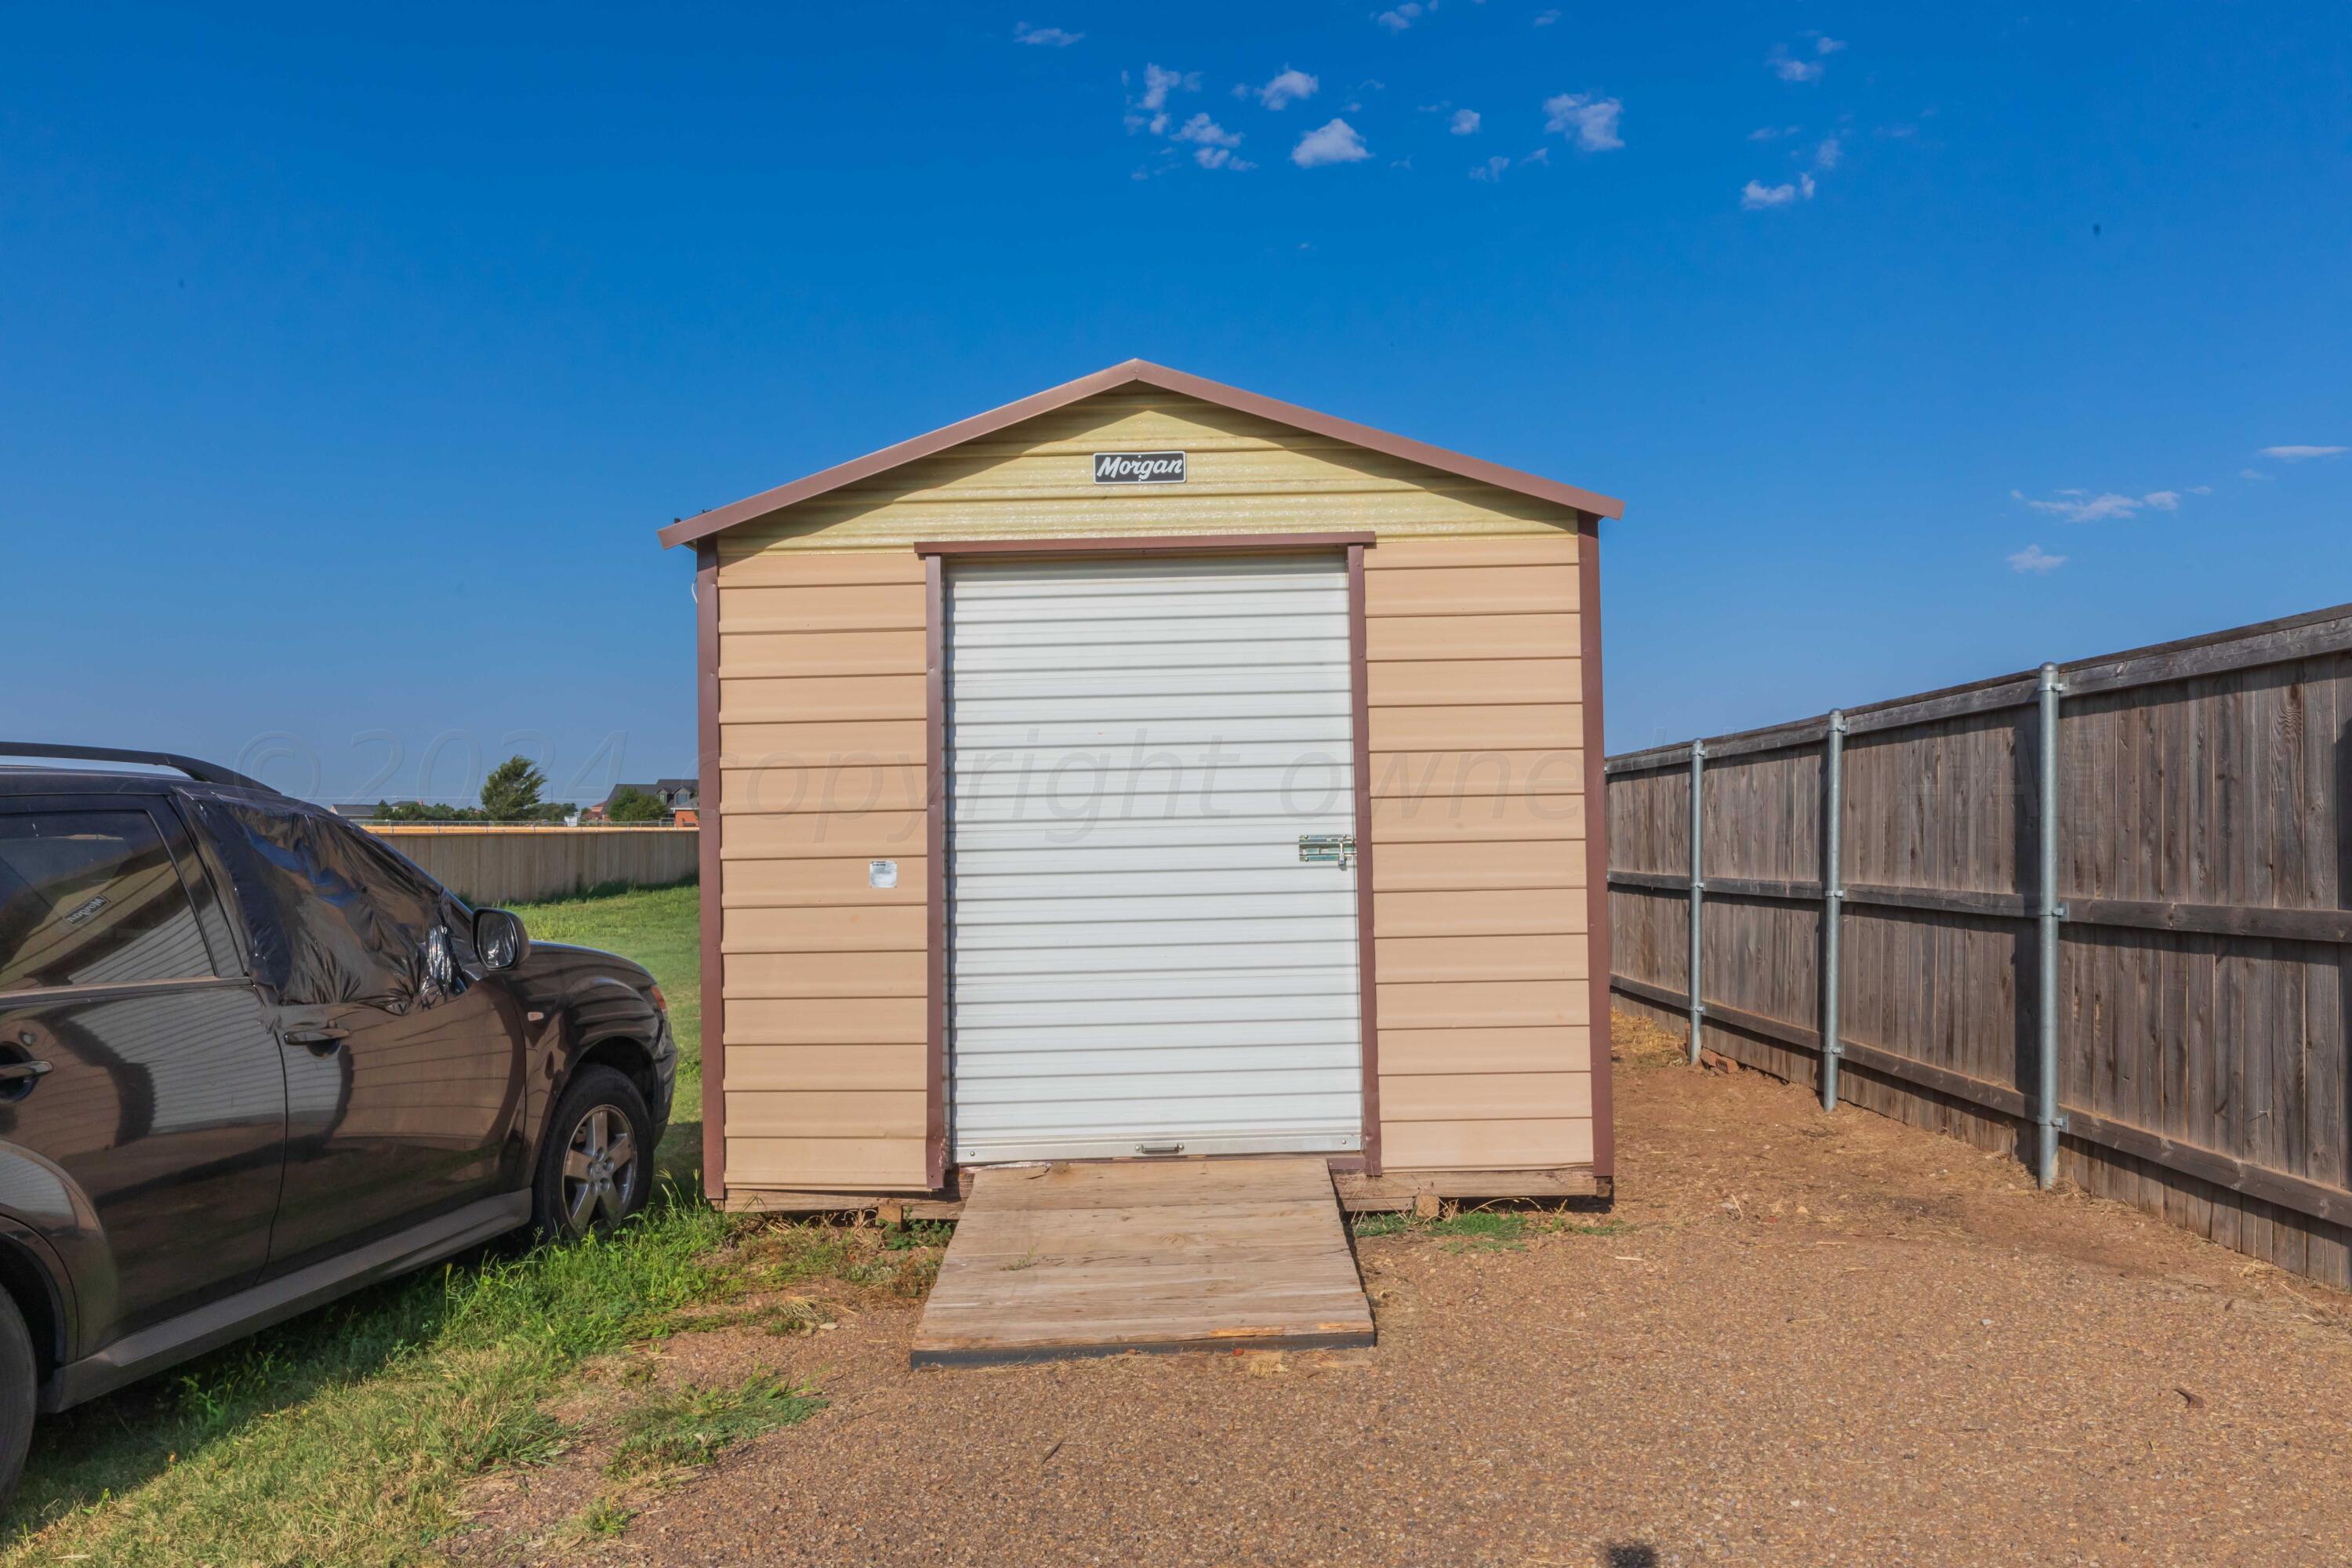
pixel 420 811
pixel 630 803
pixel 511 791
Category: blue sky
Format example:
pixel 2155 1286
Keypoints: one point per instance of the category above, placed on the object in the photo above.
pixel 347 364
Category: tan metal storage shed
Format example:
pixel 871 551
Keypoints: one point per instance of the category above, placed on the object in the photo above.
pixel 1151 769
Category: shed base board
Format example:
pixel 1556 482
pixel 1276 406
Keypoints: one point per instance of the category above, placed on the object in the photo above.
pixel 1359 1194
pixel 770 1199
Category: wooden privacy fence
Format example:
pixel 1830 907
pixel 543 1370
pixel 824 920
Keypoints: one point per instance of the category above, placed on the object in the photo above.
pixel 2177 930
pixel 494 865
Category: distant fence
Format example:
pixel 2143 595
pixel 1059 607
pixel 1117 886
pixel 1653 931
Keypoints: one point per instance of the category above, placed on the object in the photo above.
pixel 2176 932
pixel 493 865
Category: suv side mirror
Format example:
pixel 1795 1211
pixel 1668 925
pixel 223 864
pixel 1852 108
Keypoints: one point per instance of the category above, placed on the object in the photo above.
pixel 500 938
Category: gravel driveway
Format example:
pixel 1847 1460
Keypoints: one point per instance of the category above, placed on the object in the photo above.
pixel 1803 1340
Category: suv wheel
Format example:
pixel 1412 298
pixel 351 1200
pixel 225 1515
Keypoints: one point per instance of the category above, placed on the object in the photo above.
pixel 597 1167
pixel 17 1376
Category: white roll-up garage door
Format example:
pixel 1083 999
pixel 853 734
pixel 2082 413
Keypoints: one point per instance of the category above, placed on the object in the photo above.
pixel 1141 960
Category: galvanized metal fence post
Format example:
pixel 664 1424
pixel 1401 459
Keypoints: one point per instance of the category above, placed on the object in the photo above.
pixel 2049 1121
pixel 1697 882
pixel 1832 900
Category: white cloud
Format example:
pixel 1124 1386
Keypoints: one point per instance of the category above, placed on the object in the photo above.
pixel 1772 132
pixel 1398 20
pixel 2301 454
pixel 1788 67
pixel 1220 158
pixel 1491 170
pixel 1157 84
pixel 1827 154
pixel 2035 560
pixel 1546 19
pixel 1336 142
pixel 1756 196
pixel 1287 88
pixel 2251 474
pixel 1593 119
pixel 1051 37
pixel 1465 122
pixel 1826 44
pixel 1540 155
pixel 1150 111
pixel 2082 506
pixel 1207 133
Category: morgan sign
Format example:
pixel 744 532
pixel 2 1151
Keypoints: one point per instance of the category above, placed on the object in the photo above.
pixel 1138 468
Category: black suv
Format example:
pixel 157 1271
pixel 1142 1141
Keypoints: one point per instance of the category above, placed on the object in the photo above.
pixel 251 1058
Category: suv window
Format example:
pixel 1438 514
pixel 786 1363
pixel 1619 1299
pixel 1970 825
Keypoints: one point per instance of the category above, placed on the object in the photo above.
pixel 91 898
pixel 356 921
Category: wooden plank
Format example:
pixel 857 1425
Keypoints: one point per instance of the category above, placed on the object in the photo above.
pixel 898 1067
pixel 1537 726
pixel 1485 1096
pixel 2247 648
pixel 1398 1189
pixel 786 1201
pixel 1477 637
pixel 2217 919
pixel 870 1164
pixel 1051 1262
pixel 1479 1145
pixel 1471 591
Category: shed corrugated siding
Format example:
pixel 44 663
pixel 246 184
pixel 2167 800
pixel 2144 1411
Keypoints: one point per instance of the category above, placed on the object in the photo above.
pixel 1478 872
pixel 1477 811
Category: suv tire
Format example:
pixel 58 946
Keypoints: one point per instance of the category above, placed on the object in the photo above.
pixel 597 1166
pixel 18 1376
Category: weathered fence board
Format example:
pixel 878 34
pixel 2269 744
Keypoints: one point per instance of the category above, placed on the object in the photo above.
pixel 2204 862
pixel 494 865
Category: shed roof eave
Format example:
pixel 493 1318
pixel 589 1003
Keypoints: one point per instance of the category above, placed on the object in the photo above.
pixel 686 530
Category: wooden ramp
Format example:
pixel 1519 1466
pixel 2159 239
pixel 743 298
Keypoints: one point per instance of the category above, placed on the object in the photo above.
pixel 1056 1261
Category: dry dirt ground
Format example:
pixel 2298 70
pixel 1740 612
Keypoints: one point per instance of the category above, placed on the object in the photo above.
pixel 1798 1339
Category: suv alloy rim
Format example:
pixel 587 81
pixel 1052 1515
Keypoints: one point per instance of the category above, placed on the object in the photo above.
pixel 600 1169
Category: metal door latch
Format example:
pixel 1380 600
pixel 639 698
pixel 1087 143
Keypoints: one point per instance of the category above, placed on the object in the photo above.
pixel 1327 849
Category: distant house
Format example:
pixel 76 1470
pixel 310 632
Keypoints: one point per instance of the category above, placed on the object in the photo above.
pixel 355 812
pixel 676 794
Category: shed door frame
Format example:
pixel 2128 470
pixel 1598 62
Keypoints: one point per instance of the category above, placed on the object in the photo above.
pixel 936 803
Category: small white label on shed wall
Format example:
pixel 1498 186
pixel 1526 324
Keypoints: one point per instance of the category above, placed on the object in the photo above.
pixel 1138 468
pixel 882 873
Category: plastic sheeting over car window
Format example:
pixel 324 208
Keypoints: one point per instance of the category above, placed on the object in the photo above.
pixel 329 922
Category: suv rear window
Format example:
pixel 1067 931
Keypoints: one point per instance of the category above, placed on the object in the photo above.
pixel 91 898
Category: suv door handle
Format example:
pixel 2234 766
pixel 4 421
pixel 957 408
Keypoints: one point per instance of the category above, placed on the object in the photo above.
pixel 322 1040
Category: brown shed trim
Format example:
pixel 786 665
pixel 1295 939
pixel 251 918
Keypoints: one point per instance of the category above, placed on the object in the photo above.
pixel 1367 986
pixel 1596 846
pixel 710 898
pixel 1147 544
pixel 689 530
pixel 935 824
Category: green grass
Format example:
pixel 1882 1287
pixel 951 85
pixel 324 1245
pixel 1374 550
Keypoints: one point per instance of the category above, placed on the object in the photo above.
pixel 691 1425
pixel 1484 1230
pixel 660 928
pixel 348 1435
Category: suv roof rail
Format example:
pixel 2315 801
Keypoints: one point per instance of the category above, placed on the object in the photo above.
pixel 201 771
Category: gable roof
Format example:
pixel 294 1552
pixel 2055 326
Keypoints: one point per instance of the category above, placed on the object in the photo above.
pixel 685 531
